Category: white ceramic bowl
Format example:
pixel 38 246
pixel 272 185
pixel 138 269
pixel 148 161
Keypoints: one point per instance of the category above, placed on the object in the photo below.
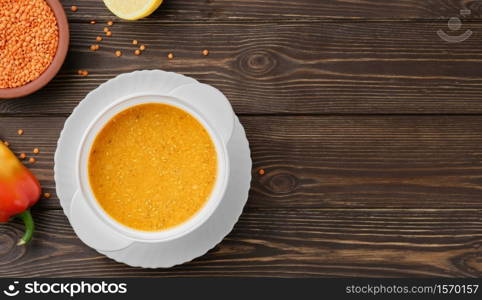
pixel 99 230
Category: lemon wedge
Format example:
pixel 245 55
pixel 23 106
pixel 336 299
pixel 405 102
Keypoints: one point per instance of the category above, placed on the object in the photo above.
pixel 132 9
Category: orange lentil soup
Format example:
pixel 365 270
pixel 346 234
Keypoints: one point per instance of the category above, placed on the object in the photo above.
pixel 152 167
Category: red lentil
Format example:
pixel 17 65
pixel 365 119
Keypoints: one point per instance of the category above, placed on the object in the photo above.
pixel 261 172
pixel 118 53
pixel 74 8
pixel 20 131
pixel 22 156
pixel 32 160
pixel 28 40
pixel 170 56
pixel 205 52
pixel 108 33
pixel 47 195
pixel 93 22
pixel 109 23
pixel 98 39
pixel 142 48
pixel 36 150
pixel 137 52
pixel 135 42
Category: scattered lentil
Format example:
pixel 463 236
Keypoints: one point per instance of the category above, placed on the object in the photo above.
pixel 47 195
pixel 94 47
pixel 20 131
pixel 36 150
pixel 118 53
pixel 6 143
pixel 110 23
pixel 98 39
pixel 93 22
pixel 170 56
pixel 142 47
pixel 137 52
pixel 32 160
pixel 28 40
pixel 135 42
pixel 74 8
pixel 22 155
pixel 106 29
pixel 205 52
pixel 108 33
pixel 82 72
pixel 261 172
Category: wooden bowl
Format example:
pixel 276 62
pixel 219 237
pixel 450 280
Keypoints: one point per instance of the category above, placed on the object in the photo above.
pixel 51 71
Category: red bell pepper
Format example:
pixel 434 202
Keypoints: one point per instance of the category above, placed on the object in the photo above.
pixel 19 190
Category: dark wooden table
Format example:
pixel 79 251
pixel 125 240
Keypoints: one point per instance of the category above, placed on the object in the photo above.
pixel 369 127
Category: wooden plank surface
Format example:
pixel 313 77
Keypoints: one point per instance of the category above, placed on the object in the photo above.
pixel 340 161
pixel 286 10
pixel 270 242
pixel 362 68
pixel 367 124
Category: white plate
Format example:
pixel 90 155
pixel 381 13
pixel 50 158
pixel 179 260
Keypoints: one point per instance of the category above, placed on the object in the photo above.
pixel 188 247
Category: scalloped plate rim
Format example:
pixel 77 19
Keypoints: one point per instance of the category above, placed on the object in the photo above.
pixel 59 156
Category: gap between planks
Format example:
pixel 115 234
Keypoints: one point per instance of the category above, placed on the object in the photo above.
pixel 277 114
pixel 307 21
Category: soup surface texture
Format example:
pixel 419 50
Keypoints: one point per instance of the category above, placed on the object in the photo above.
pixel 152 167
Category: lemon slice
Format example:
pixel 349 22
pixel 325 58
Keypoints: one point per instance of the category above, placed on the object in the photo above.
pixel 132 9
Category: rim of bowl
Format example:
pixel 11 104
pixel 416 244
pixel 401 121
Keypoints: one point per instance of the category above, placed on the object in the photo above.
pixel 54 67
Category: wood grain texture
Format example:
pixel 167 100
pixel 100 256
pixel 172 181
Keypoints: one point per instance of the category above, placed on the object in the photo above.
pixel 286 10
pixel 337 161
pixel 315 68
pixel 279 243
pixel 367 124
